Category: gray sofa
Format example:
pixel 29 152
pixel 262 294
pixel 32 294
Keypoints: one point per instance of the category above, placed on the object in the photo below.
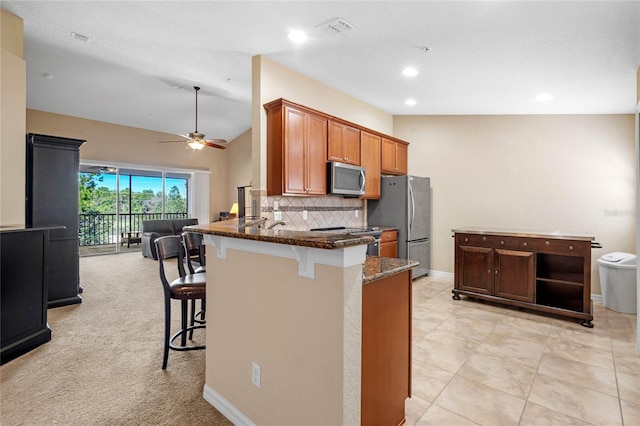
pixel 153 229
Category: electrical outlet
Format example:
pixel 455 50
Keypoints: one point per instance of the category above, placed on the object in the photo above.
pixel 304 214
pixel 255 374
pixel 356 212
pixel 276 206
pixel 277 215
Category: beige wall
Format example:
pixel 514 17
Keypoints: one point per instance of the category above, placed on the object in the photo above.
pixel 306 340
pixel 13 89
pixel 554 172
pixel 239 169
pixel 121 144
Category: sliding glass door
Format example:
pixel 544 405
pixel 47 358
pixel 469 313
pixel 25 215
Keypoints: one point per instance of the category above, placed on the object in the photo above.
pixel 115 201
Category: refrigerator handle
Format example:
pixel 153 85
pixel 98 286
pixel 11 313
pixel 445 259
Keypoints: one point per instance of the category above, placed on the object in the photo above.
pixel 413 209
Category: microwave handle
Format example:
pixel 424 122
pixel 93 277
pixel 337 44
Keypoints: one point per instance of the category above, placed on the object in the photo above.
pixel 362 181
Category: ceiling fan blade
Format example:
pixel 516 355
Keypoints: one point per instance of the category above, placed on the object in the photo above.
pixel 214 145
pixel 220 141
pixel 170 141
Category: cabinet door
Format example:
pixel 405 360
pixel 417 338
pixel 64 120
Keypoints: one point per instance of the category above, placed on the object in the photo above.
pixel 294 152
pixel 389 249
pixel 343 143
pixel 475 269
pixel 370 160
pixel 351 137
pixel 402 152
pixel 316 164
pixel 388 156
pixel 335 146
pixel 514 275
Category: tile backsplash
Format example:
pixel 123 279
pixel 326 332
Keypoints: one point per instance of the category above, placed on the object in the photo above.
pixel 321 212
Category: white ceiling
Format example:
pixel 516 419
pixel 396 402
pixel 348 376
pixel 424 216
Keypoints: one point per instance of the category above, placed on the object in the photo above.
pixel 486 57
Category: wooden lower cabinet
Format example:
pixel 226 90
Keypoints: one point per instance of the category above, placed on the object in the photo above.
pixel 389 243
pixel 386 350
pixel 547 272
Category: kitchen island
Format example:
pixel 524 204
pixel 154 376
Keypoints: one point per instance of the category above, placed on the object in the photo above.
pixel 291 318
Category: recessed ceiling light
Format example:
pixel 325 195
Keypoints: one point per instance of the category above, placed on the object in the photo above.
pixel 410 102
pixel 542 97
pixel 410 72
pixel 297 36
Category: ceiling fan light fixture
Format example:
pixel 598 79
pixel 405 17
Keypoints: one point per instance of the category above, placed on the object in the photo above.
pixel 197 145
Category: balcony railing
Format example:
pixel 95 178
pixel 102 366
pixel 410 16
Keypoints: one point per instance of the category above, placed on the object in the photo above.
pixel 102 229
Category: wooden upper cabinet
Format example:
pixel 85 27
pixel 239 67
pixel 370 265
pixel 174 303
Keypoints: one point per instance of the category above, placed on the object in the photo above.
pixel 316 162
pixel 394 157
pixel 370 160
pixel 344 143
pixel 301 140
pixel 296 150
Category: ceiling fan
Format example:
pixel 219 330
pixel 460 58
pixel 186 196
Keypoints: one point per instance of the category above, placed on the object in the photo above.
pixel 196 140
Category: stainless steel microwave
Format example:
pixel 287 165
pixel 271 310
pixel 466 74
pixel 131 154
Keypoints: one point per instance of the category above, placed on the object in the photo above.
pixel 345 179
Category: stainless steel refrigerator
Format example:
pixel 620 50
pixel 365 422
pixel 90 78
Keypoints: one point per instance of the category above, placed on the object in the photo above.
pixel 405 203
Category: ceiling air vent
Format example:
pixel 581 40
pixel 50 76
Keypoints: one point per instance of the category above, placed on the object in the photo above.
pixel 336 26
pixel 80 37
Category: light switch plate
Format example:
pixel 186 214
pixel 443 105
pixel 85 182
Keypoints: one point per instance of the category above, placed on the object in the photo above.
pixel 277 215
pixel 304 214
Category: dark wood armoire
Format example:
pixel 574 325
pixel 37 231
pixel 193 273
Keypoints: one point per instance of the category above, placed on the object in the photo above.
pixel 52 199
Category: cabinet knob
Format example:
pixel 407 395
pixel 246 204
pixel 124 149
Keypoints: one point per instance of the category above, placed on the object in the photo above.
pixel 489 271
pixel 466 240
pixel 546 243
pixel 502 242
pixel 524 244
pixel 484 238
pixel 496 272
pixel 570 247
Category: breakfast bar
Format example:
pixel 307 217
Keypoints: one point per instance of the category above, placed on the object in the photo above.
pixel 294 327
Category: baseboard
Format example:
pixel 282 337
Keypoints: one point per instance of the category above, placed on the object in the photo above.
pixel 225 407
pixel 441 274
pixel 596 298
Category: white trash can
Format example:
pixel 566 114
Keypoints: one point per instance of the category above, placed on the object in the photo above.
pixel 618 282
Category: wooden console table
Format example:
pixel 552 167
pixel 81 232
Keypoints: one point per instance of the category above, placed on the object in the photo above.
pixel 543 271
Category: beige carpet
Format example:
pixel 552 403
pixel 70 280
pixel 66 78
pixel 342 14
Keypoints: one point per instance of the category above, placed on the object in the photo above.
pixel 103 364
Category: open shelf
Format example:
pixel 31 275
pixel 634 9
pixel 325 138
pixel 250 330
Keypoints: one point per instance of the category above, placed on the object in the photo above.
pixel 559 295
pixel 560 269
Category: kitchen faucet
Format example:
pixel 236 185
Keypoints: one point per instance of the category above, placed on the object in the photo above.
pixel 274 224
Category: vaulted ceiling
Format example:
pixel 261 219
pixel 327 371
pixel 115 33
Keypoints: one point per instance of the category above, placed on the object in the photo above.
pixel 135 62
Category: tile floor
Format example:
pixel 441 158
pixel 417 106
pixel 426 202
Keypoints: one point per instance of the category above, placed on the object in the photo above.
pixel 479 363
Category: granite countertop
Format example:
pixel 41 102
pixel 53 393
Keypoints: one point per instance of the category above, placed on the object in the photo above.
pixel 320 240
pixel 569 235
pixel 376 268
